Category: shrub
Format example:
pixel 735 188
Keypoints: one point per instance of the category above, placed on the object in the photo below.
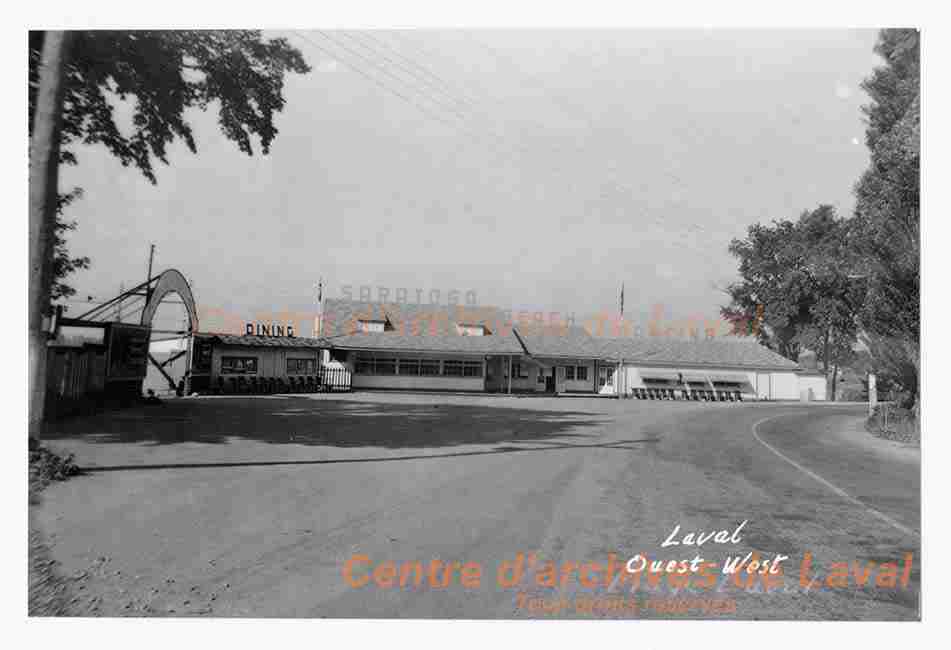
pixel 47 466
pixel 49 591
pixel 894 423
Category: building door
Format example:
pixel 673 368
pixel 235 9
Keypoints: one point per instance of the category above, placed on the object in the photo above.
pixel 550 380
pixel 606 379
pixel 764 385
pixel 560 379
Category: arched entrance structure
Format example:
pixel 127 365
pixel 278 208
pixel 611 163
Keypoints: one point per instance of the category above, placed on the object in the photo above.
pixel 105 352
pixel 171 281
pixel 158 288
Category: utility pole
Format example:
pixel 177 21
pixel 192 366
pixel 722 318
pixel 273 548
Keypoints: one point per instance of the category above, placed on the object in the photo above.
pixel 319 322
pixel 148 288
pixel 190 356
pixel 618 384
pixel 119 304
pixel 47 121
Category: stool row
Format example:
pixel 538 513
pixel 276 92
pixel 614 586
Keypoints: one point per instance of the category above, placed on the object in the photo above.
pixel 271 385
pixel 688 395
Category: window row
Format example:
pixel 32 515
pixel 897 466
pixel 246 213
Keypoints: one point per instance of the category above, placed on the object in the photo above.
pixel 576 373
pixel 573 373
pixel 239 365
pixel 249 366
pixel 417 367
pixel 302 366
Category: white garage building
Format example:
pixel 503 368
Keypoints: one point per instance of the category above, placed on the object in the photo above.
pixel 722 364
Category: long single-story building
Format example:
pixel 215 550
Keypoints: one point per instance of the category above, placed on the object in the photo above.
pixel 477 349
pixel 374 346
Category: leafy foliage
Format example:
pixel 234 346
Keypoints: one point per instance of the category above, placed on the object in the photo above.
pixel 162 74
pixel 63 264
pixel 820 281
pixel 887 213
pixel 47 466
pixel 795 279
pixel 894 363
pixel 888 194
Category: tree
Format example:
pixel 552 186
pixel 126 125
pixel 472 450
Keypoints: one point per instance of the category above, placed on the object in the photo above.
pixel 887 212
pixel 75 82
pixel 894 366
pixel 63 264
pixel 164 73
pixel 760 298
pixel 46 125
pixel 795 283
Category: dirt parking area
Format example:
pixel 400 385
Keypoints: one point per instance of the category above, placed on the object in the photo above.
pixel 276 429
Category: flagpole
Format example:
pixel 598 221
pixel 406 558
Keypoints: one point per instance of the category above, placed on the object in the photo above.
pixel 619 376
pixel 320 307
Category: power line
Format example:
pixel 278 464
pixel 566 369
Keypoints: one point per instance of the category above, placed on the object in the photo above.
pixel 453 100
pixel 503 148
pixel 447 87
pixel 475 104
pixel 381 68
pixel 567 107
pixel 375 81
pixel 398 35
pixel 400 93
pixel 572 109
pixel 385 64
pixel 554 149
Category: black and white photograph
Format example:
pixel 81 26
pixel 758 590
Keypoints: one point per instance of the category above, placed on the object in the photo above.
pixel 481 323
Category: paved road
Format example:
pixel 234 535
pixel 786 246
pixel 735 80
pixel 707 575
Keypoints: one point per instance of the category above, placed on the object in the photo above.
pixel 477 481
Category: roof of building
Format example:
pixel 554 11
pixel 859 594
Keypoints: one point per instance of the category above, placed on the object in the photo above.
pixel 247 340
pixel 718 352
pixel 559 341
pixel 397 342
pixel 340 316
pixel 432 328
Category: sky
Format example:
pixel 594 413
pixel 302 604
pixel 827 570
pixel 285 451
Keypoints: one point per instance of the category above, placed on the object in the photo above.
pixel 535 170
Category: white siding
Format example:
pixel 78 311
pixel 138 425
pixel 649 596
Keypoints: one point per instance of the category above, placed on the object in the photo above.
pixel 272 361
pixel 610 388
pixel 782 385
pixel 635 376
pixel 812 388
pixel 785 385
pixel 417 382
pixel 530 383
pixel 409 382
pixel 566 385
pixel 763 385
pixel 581 385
